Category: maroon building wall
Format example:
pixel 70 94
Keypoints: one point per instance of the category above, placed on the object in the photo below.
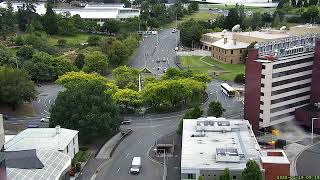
pixel 252 89
pixel 315 86
pixel 304 116
pixel 274 170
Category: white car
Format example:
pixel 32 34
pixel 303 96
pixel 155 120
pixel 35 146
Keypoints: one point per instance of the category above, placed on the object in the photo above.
pixel 46 119
pixel 176 48
pixel 174 30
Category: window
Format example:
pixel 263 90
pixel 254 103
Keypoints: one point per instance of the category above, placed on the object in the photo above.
pixel 261 120
pixel 261 94
pixel 191 176
pixel 261 102
pixel 261 111
pixel 300 61
pixel 68 148
pixel 292 71
pixel 287 81
pixel 282 116
pixel 263 67
pixel 240 50
pixel 262 85
pixel 290 89
pixel 287 98
pixel 231 51
pixel 292 105
pixel 263 76
pixel 225 51
pixel 234 177
pixel 73 141
pixel 219 49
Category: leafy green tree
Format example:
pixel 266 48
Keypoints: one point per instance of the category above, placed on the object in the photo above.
pixel 293 3
pixel 215 109
pixel 15 87
pixel 311 14
pixel 256 21
pixel 313 2
pixel 132 42
pixel 62 42
pixel 92 111
pixel 73 79
pixel 226 175
pixel 202 77
pixel 94 40
pixel 305 3
pixel 239 79
pixel 200 178
pixel 118 53
pixel 79 61
pixel 66 26
pixel 193 6
pixel 128 99
pixel 6 57
pixel 95 62
pixel 50 23
pixel 232 19
pixel 24 53
pixel 26 13
pixel 44 67
pixel 251 172
pixel 194 113
pixel 190 33
pixel 144 14
pixel 111 26
pixel 276 21
pixel 124 76
pixel 299 3
pixel 7 20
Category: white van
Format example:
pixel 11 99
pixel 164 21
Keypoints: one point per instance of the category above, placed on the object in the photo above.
pixel 135 165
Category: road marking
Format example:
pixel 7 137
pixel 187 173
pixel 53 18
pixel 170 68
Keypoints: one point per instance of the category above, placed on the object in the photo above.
pixel 118 170
pixel 49 101
pixel 127 155
pixel 39 100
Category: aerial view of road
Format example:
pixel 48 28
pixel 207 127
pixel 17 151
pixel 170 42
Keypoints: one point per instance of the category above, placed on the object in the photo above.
pixel 157 52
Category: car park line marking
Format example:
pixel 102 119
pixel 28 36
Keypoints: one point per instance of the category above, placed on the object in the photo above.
pixel 127 155
pixel 118 170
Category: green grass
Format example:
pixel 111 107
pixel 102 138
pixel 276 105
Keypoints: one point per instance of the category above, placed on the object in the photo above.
pixel 72 40
pixel 198 16
pixel 196 65
pixel 232 69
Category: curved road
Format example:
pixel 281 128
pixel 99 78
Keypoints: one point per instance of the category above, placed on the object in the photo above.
pixel 307 164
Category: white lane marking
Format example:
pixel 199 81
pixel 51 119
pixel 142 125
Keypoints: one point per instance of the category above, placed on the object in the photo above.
pixel 127 155
pixel 39 100
pixel 49 101
pixel 118 170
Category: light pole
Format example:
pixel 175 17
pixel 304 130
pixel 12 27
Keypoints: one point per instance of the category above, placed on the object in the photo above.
pixel 164 176
pixel 312 128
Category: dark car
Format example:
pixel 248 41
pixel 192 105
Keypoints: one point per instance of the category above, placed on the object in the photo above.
pixel 126 122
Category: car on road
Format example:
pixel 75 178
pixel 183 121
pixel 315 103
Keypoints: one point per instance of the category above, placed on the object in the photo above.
pixel 164 60
pixel 135 165
pixel 46 119
pixel 158 60
pixel 126 122
pixel 176 48
pixel 33 126
pixel 174 30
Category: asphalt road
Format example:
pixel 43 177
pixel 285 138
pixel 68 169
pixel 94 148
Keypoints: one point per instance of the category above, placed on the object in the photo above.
pixel 156 52
pixel 307 164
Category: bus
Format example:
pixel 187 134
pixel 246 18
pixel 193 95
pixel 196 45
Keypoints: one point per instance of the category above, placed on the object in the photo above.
pixel 228 90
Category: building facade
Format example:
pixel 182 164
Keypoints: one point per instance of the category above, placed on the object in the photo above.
pixel 278 80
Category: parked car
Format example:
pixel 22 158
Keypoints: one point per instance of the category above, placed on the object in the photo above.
pixel 174 30
pixel 46 119
pixel 33 126
pixel 126 122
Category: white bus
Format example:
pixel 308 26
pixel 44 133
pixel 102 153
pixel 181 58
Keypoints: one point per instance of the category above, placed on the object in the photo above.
pixel 228 90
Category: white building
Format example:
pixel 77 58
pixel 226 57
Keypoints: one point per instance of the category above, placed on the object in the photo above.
pixel 96 12
pixel 209 145
pixel 60 139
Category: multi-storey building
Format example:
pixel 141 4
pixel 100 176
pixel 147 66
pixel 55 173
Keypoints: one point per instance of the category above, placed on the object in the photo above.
pixel 3 174
pixel 278 79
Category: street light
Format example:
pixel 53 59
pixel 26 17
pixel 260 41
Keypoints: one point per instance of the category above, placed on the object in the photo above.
pixel 312 128
pixel 164 176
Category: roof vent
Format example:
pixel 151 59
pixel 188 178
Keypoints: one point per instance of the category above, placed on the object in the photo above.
pixel 58 129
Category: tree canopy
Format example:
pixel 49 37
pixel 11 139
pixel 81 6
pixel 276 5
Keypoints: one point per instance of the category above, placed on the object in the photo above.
pixel 15 87
pixel 95 62
pixel 215 109
pixel 251 172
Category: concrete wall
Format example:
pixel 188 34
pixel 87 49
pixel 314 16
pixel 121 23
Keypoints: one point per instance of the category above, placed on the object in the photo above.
pixel 252 87
pixel 72 148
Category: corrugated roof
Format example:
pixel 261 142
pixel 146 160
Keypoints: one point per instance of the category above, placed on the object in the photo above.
pixel 41 138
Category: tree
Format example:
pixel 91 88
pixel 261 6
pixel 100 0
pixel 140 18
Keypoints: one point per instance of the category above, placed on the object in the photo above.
pixel 226 175
pixel 240 79
pixel 190 33
pixel 313 2
pixel 251 172
pixel 50 20
pixel 125 76
pixel 299 3
pixel 25 53
pixel 92 111
pixel 44 67
pixel 311 14
pixel 128 99
pixel 95 62
pixel 305 3
pixel 118 53
pixel 256 21
pixel 66 26
pixel 194 113
pixel 73 79
pixel 15 87
pixel 111 25
pixel 200 178
pixel 276 21
pixel 293 3
pixel 232 19
pixel 79 61
pixel 94 40
pixel 7 20
pixel 6 57
pixel 215 109
pixel 193 6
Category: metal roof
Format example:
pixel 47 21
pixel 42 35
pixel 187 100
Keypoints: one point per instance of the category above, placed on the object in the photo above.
pixel 230 44
pixel 55 164
pixel 26 159
pixel 41 138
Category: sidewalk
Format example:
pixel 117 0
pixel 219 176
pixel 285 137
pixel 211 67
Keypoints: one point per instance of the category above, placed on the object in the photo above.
pixel 105 151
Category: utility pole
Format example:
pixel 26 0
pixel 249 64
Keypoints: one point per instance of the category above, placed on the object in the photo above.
pixel 177 30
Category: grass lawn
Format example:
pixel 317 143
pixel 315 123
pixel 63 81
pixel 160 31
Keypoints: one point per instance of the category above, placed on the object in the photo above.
pixel 232 69
pixel 75 39
pixel 198 16
pixel 195 64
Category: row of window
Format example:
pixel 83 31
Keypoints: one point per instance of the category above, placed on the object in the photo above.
pixel 287 98
pixel 291 63
pixel 193 176
pixel 292 105
pixel 282 116
pixel 292 71
pixel 290 89
pixel 225 51
pixel 287 81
